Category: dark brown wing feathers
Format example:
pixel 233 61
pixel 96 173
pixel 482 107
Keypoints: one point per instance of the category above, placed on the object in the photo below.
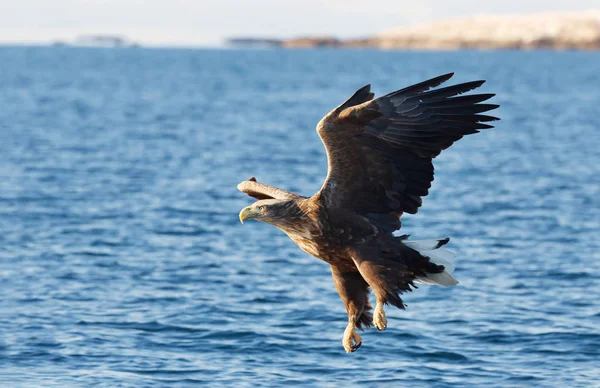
pixel 380 151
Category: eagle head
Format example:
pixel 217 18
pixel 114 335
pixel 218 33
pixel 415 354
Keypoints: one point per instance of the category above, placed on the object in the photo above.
pixel 272 211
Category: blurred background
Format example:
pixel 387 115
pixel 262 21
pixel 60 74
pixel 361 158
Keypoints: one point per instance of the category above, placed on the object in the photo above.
pixel 209 23
pixel 126 126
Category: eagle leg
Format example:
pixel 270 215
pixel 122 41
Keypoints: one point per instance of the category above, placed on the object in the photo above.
pixel 379 318
pixel 354 292
pixel 352 340
pixel 388 278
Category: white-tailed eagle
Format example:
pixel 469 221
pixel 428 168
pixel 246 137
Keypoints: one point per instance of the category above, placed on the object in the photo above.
pixel 379 152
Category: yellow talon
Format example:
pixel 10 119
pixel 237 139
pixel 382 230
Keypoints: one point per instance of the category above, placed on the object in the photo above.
pixel 352 340
pixel 379 318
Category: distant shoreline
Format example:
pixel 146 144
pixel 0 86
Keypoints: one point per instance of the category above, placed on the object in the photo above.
pixel 401 45
pixel 555 31
pixel 257 47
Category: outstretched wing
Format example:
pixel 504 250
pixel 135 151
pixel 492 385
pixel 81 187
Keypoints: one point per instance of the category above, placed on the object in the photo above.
pixel 380 151
pixel 261 191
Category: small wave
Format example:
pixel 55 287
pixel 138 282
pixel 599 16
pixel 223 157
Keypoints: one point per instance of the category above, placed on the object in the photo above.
pixel 185 233
pixel 444 356
pixel 152 326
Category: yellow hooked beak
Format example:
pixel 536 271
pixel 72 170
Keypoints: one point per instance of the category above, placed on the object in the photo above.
pixel 246 213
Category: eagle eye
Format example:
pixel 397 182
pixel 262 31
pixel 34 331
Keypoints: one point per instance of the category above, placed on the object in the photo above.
pixel 261 207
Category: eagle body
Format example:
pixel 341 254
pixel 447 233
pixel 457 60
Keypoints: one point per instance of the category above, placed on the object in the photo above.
pixel 379 154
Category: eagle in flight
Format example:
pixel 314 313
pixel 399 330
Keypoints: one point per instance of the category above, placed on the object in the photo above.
pixel 379 155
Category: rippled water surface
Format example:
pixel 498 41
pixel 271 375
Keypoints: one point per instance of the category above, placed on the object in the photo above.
pixel 123 263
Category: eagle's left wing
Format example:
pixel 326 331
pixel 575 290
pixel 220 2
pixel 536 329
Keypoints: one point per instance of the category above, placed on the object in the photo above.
pixel 380 151
pixel 262 191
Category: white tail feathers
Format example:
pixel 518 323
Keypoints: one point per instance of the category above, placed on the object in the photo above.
pixel 432 248
pixel 437 279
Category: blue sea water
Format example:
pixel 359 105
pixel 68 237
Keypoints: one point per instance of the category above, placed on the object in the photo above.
pixel 123 263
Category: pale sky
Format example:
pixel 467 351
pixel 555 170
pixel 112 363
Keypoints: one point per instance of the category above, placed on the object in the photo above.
pixel 208 22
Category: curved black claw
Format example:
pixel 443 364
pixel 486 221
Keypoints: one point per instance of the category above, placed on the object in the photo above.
pixel 355 347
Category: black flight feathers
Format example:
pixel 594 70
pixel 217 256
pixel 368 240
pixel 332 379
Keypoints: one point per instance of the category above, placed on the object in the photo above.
pixel 424 121
pixel 423 86
pixel 408 127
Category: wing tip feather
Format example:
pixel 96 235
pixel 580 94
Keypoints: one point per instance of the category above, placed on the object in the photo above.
pixel 362 95
pixel 446 76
